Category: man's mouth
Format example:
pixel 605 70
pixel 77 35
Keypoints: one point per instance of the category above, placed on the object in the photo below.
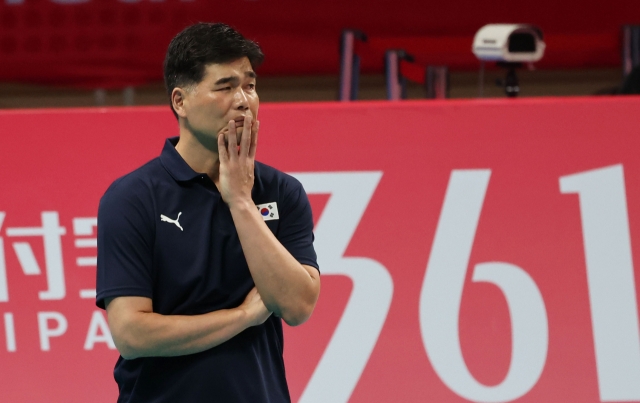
pixel 239 121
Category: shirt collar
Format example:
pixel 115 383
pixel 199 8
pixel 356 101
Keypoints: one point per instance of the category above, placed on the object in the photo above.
pixel 174 164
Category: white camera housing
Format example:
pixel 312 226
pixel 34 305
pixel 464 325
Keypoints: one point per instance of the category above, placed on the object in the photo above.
pixel 516 43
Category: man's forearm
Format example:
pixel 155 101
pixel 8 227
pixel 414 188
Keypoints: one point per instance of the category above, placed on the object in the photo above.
pixel 155 335
pixel 139 332
pixel 287 288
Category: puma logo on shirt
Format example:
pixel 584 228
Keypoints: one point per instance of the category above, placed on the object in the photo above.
pixel 167 219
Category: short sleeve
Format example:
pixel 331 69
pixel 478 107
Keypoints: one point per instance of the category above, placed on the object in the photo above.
pixel 296 225
pixel 125 241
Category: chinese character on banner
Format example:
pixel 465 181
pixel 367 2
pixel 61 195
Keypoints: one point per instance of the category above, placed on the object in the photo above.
pixel 51 233
pixel 83 227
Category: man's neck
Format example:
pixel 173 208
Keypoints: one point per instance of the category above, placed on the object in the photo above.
pixel 199 157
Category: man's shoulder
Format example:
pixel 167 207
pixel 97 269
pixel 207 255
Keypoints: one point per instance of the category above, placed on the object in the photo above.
pixel 135 183
pixel 271 176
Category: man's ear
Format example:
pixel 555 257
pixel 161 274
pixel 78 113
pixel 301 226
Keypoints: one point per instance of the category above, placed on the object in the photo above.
pixel 178 101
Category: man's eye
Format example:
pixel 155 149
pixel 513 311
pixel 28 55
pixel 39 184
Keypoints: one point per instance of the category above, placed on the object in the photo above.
pixel 224 89
pixel 252 86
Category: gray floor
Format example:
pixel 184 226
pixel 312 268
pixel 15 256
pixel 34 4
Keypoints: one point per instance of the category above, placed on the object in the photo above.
pixel 324 88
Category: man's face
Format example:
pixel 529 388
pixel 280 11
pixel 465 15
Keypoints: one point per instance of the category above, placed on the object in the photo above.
pixel 226 92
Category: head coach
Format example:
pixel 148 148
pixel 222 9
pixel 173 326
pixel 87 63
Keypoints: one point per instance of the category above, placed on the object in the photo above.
pixel 203 251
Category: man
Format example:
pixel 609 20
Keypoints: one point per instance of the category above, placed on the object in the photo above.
pixel 202 250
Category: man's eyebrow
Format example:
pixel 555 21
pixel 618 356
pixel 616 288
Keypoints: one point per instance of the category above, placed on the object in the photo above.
pixel 235 79
pixel 227 80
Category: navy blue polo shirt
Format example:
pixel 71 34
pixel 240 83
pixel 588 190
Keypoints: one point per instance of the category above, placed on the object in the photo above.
pixel 165 233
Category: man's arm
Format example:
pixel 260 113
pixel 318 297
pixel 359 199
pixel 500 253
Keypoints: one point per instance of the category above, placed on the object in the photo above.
pixel 288 288
pixel 139 332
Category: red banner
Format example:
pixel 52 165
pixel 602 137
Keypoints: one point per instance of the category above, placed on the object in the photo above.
pixel 114 43
pixel 470 250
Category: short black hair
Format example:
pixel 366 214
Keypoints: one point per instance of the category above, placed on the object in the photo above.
pixel 199 45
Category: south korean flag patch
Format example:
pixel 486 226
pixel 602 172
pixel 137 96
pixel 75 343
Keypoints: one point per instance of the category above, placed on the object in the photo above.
pixel 268 211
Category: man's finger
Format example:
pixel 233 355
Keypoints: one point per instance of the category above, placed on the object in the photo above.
pixel 254 139
pixel 233 141
pixel 245 141
pixel 223 155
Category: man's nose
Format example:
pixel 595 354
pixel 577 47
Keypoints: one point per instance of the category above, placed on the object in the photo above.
pixel 241 99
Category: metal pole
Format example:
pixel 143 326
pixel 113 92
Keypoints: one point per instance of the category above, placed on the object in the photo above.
pixel 396 83
pixel 392 73
pixel 346 65
pixel 630 48
pixel 355 77
pixel 349 64
pixel 437 82
pixel 481 80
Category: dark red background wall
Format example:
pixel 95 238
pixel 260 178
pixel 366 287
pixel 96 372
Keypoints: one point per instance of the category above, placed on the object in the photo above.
pixel 109 43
